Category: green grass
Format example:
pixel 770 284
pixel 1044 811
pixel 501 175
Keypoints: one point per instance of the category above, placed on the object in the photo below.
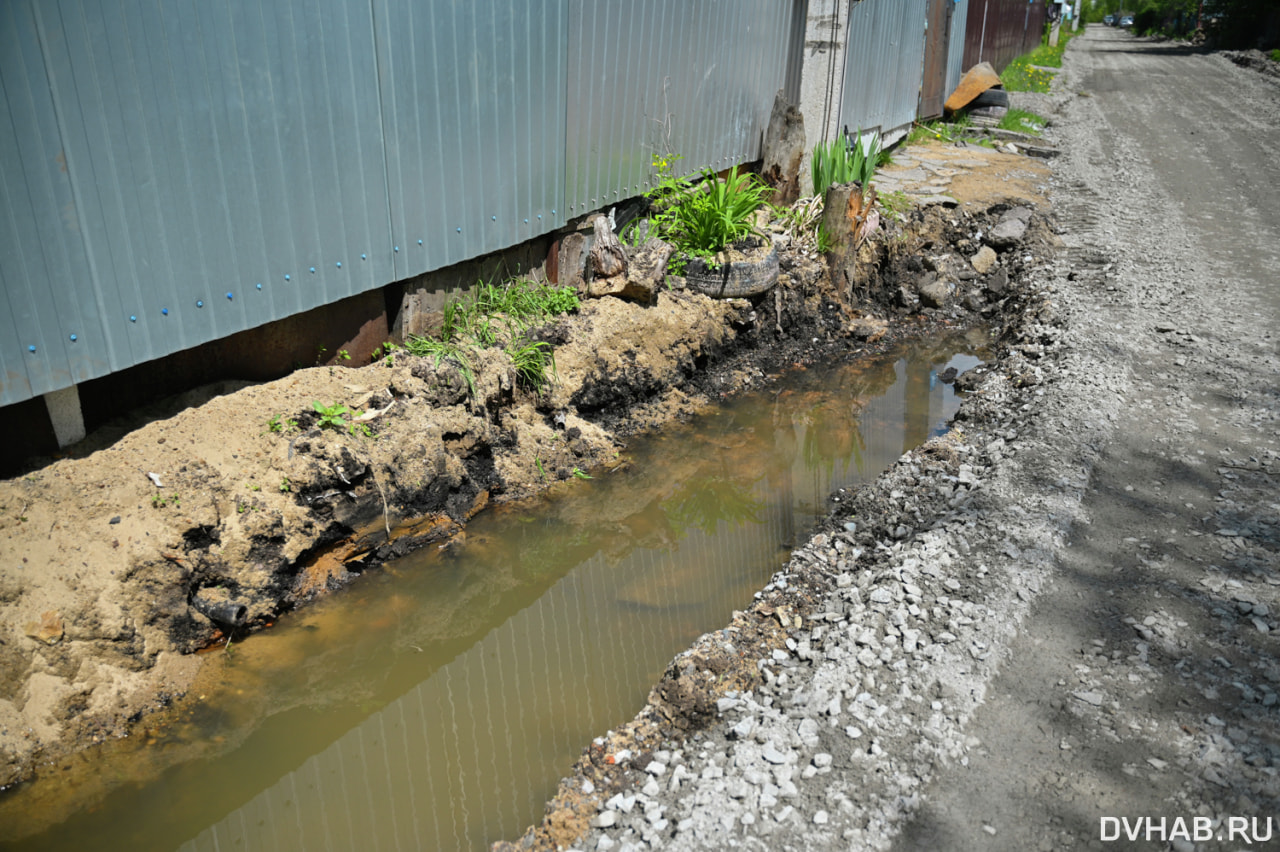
pixel 1275 55
pixel 499 313
pixel 1022 121
pixel 1019 76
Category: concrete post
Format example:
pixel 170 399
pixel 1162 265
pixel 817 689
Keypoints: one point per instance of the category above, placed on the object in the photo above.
pixel 826 37
pixel 65 414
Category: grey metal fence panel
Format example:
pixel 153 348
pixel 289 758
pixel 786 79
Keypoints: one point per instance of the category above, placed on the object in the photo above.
pixel 885 64
pixel 209 158
pixel 473 103
pixel 695 79
pixel 175 172
pixel 955 46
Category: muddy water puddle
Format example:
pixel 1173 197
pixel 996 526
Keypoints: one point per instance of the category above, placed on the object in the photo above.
pixel 436 703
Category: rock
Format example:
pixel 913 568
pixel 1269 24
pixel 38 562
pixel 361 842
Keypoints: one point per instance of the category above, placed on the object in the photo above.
pixel 984 261
pixel 1009 231
pixel 772 755
pixel 1094 698
pixel 869 329
pixel 820 818
pixel 998 284
pixel 934 294
pixel 604 819
pixel 48 630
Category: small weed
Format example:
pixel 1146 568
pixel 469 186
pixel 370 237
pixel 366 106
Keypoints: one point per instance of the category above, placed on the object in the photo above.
pixel 340 417
pixel 581 474
pixel 253 486
pixel 1022 121
pixel 285 485
pixel 1275 55
pixel 895 204
pixel 344 355
pixel 160 502
pixel 822 238
pixel 542 471
pixel 278 425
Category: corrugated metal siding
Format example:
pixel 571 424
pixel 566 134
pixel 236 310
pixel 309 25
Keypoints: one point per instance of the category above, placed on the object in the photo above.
pixel 955 47
pixel 172 173
pixel 473 104
pixel 885 62
pixel 192 165
pixel 712 66
pixel 998 31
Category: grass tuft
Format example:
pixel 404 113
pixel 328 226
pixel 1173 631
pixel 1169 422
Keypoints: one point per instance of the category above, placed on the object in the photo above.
pixel 1023 121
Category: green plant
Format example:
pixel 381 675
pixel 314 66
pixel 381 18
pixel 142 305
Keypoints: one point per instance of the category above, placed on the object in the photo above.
pixel 1022 121
pixel 542 471
pixel 277 425
pixel 581 474
pixel 703 218
pixel 1275 55
pixel 344 355
pixel 532 362
pixel 894 204
pixel 255 487
pixel 838 161
pixel 160 502
pixel 331 416
pixel 822 238
pixel 286 485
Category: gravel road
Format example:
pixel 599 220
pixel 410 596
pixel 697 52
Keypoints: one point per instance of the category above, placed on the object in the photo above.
pixel 1081 627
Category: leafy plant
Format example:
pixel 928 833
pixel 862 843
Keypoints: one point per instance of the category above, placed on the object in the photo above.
pixel 542 471
pixel 286 485
pixel 344 355
pixel 700 219
pixel 822 238
pixel 160 502
pixel 838 161
pixel 340 417
pixel 277 425
pixel 581 474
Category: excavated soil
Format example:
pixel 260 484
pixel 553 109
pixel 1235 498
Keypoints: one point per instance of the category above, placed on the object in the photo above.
pixel 194 522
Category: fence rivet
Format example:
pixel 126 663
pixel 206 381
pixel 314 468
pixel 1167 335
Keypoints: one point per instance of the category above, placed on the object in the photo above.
pixel 313 269
pixel 397 248
pixel 259 286
pixel 553 212
pixel 539 215
pixel 199 303
pixel 419 242
pixel 31 349
pixel 164 311
pixel 286 278
pixel 338 264
pixel 459 230
pixel 133 317
pixel 494 218
pixel 230 295
pixel 526 221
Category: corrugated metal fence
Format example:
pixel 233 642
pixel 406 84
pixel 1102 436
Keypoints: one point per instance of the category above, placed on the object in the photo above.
pixel 171 173
pixel 1000 30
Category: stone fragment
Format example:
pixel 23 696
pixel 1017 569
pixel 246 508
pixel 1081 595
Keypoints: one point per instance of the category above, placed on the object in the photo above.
pixel 934 293
pixel 984 261
pixel 48 630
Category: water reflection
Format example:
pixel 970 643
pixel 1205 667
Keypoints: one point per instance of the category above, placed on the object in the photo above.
pixel 437 703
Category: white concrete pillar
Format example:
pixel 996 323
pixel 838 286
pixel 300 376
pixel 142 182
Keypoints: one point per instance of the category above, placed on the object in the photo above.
pixel 65 414
pixel 826 35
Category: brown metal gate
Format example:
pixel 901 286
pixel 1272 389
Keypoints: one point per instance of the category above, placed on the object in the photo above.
pixel 936 38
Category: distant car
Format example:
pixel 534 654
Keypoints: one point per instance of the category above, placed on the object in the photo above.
pixel 1109 20
pixel 1126 21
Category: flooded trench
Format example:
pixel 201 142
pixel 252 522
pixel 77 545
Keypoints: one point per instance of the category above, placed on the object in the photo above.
pixel 436 704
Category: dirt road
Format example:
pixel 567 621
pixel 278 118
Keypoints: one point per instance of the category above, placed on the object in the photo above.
pixel 1145 681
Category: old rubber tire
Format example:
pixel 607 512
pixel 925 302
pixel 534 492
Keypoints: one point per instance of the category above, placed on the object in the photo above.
pixel 735 279
pixel 991 98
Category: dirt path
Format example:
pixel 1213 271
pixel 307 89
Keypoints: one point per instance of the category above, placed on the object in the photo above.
pixel 1145 683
